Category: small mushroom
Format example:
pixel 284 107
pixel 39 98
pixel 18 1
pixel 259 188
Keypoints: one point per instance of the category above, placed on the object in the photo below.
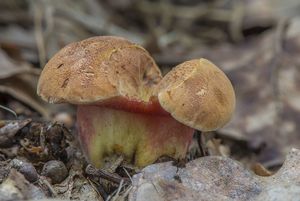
pixel 198 94
pixel 126 108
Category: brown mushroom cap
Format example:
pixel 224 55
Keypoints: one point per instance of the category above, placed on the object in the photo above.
pixel 96 69
pixel 197 94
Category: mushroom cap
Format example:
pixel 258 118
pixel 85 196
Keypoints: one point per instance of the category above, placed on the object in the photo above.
pixel 97 69
pixel 198 94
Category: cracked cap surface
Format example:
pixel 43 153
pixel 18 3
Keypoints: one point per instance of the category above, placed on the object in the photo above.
pixel 97 69
pixel 197 94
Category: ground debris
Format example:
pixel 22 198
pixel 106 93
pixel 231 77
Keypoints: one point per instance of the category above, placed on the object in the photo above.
pixel 8 130
pixel 260 170
pixel 90 170
pixel 55 170
pixel 77 187
pixel 216 178
pixel 26 168
pixel 45 141
pixel 16 188
pixel 37 146
pixel 252 41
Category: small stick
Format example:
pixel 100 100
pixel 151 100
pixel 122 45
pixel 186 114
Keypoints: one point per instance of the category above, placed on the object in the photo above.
pixel 202 144
pixel 105 175
pixel 9 110
pixel 98 187
pixel 118 190
pixel 128 174
pixel 39 35
pixel 44 182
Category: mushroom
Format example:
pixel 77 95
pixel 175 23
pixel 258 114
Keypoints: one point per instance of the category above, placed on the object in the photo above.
pixel 124 107
pixel 198 94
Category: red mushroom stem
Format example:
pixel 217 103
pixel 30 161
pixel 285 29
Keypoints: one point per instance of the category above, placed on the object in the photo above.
pixel 141 132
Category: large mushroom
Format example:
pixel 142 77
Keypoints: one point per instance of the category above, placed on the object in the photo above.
pixel 126 108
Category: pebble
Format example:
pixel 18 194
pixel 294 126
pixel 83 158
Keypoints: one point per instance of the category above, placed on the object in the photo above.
pixel 26 168
pixel 55 170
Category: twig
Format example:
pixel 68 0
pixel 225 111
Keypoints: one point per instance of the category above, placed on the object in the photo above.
pixel 45 183
pixel 9 17
pixel 105 175
pixel 118 190
pixel 49 22
pixel 202 143
pixel 235 25
pixel 9 110
pixel 100 190
pixel 276 162
pixel 98 25
pixel 25 98
pixel 275 66
pixel 116 164
pixel 42 137
pixel 185 12
pixel 128 174
pixel 173 10
pixel 38 18
pixel 124 194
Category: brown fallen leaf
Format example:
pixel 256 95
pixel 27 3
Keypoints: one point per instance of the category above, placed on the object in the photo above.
pixel 260 170
pixel 76 187
pixel 215 178
pixel 9 129
pixel 11 68
pixel 19 80
pixel 16 187
pixel 266 81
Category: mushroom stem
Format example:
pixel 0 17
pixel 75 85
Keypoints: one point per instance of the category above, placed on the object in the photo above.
pixel 140 137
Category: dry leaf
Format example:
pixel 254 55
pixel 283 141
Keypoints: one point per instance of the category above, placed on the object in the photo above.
pixel 16 187
pixel 19 80
pixel 215 178
pixel 260 170
pixel 9 130
pixel 77 187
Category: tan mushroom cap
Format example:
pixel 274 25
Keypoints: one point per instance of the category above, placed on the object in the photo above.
pixel 96 69
pixel 197 94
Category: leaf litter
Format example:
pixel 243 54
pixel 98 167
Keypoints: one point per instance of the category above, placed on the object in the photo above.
pixel 255 42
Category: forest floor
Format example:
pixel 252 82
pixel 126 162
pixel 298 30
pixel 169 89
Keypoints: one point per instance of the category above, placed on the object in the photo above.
pixel 256 43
